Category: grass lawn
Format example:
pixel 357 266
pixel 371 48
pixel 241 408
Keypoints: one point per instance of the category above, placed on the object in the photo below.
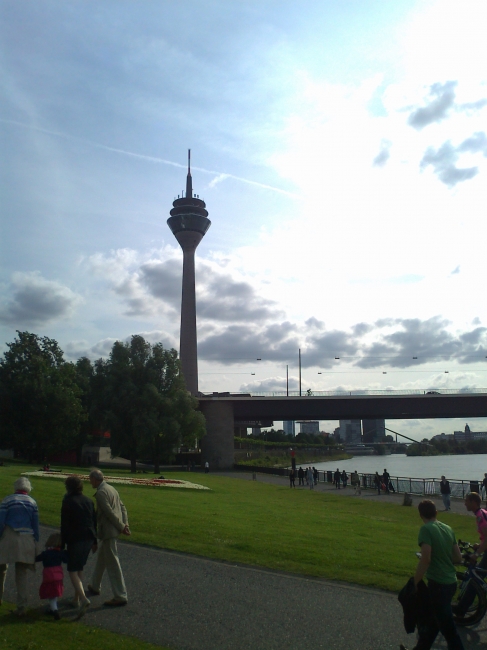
pixel 300 531
pixel 37 632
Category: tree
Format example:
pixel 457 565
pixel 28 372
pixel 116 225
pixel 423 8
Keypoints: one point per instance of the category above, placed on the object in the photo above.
pixel 90 381
pixel 40 409
pixel 148 409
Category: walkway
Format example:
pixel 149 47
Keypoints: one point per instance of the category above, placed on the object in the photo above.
pixel 457 505
pixel 190 603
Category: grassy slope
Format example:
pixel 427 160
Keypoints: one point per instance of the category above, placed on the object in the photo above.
pixel 300 531
pixel 42 633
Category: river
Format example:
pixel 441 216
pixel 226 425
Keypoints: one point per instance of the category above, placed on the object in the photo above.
pixel 464 467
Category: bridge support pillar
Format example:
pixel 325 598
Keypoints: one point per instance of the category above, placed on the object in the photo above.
pixel 218 444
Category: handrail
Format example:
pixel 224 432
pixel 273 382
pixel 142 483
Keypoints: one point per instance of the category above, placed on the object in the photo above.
pixel 435 393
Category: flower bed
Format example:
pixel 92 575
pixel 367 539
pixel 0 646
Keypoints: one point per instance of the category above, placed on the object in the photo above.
pixel 153 482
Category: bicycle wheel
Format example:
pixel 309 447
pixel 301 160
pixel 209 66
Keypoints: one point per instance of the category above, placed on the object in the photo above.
pixel 478 606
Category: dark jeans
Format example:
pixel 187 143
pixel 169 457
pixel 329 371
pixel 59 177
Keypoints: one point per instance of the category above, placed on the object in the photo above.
pixel 469 595
pixel 441 618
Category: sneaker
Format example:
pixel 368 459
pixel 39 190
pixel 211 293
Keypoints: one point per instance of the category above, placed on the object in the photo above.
pixel 115 602
pixel 92 591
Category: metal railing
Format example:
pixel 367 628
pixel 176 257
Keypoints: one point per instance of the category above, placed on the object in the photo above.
pixel 400 484
pixel 430 392
pixel 422 486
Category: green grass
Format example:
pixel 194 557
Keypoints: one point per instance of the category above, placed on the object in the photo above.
pixel 301 531
pixel 38 632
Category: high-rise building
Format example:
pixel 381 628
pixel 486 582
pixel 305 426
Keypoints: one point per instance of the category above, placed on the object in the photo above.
pixel 289 427
pixel 189 223
pixel 351 431
pixel 309 426
pixel 373 430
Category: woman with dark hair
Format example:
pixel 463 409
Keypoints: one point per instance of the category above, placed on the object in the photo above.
pixel 78 531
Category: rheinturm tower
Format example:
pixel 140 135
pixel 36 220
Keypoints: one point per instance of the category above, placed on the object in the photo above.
pixel 189 223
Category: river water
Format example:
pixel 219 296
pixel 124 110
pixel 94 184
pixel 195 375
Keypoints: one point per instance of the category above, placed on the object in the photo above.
pixel 464 467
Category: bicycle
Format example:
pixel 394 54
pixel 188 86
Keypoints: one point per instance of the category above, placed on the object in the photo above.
pixel 473 578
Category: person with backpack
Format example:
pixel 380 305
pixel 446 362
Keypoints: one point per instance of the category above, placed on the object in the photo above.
pixel 472 504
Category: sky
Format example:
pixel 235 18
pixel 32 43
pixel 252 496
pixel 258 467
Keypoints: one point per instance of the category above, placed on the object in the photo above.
pixel 341 150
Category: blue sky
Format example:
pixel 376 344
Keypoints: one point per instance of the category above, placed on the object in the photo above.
pixel 340 148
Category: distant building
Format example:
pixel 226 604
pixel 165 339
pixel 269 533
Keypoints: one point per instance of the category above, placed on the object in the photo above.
pixel 289 427
pixel 351 431
pixel 336 433
pixel 373 430
pixel 309 426
pixel 467 434
pixel 444 437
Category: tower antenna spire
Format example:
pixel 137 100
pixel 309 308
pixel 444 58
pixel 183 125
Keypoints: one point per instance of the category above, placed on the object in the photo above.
pixel 189 180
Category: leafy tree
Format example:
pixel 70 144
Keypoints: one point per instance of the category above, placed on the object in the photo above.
pixel 40 407
pixel 90 380
pixel 148 409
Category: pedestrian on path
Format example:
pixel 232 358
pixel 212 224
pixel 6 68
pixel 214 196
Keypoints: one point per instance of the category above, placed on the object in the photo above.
pixel 207 467
pixel 309 476
pixel 301 476
pixel 439 552
pixel 112 520
pixel 377 482
pixel 315 475
pixel 355 482
pixel 78 532
pixel 19 534
pixel 386 479
pixel 344 479
pixel 292 475
pixel 52 586
pixel 445 492
pixel 337 478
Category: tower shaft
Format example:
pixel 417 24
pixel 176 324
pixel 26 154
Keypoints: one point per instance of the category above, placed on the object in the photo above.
pixel 189 223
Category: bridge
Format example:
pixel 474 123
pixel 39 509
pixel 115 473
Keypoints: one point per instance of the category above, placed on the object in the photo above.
pixel 223 410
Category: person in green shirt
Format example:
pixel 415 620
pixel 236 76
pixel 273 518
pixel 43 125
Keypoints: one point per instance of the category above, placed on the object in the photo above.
pixel 439 553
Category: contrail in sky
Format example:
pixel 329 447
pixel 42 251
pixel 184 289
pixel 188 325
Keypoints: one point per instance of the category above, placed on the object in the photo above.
pixel 219 176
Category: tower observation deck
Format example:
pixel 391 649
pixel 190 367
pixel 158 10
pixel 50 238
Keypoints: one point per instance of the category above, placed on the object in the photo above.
pixel 189 223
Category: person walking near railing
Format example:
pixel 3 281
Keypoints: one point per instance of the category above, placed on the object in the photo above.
pixel 337 478
pixel 445 492
pixel 309 477
pixel 386 479
pixel 377 482
pixel 292 476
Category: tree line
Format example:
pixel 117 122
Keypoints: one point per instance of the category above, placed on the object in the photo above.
pixel 443 447
pixel 49 405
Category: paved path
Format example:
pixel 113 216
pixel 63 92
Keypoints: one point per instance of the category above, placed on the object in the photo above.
pixel 189 603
